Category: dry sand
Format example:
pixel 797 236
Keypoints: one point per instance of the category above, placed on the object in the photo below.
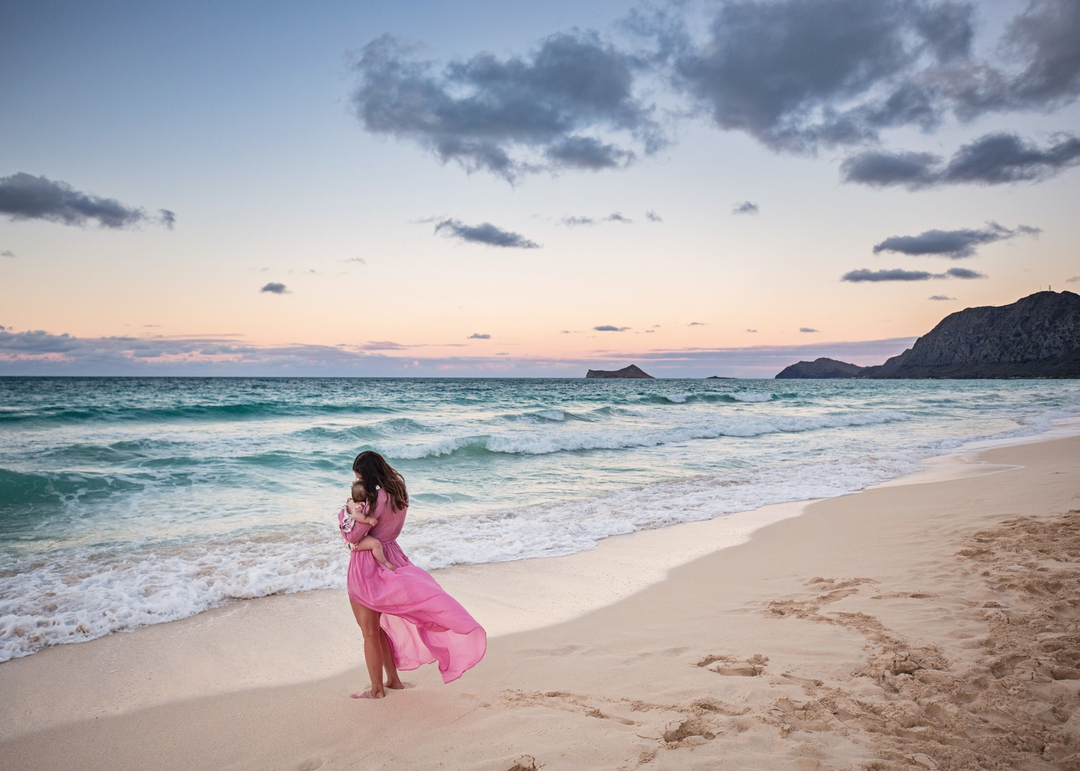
pixel 928 625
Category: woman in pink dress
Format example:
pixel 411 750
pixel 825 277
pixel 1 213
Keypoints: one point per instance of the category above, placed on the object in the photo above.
pixel 406 617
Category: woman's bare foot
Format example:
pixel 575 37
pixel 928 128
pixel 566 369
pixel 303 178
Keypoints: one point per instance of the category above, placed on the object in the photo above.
pixel 370 694
pixel 397 685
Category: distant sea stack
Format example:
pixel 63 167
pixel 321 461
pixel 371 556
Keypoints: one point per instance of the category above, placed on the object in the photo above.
pixel 632 371
pixel 1036 336
pixel 820 368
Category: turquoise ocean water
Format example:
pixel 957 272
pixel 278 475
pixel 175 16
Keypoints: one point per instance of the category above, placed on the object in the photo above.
pixel 126 502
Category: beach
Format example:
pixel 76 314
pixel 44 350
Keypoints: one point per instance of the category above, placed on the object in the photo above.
pixel 926 623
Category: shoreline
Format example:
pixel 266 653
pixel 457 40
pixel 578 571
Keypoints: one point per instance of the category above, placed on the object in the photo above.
pixel 295 642
pixel 531 593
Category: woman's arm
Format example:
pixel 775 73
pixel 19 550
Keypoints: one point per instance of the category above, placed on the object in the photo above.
pixel 353 529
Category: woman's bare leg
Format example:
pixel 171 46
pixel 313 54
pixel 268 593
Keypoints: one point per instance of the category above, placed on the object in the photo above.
pixel 374 646
pixel 392 679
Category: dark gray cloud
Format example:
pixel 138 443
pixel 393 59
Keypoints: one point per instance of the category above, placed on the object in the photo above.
pixel 553 109
pixel 746 207
pixel 993 159
pixel 275 288
pixel 575 221
pixel 485 233
pixel 610 328
pixel 697 324
pixel 961 273
pixel 652 216
pixel 807 329
pixel 1072 280
pixel 897 274
pixel 941 297
pixel 799 75
pixel 587 153
pixel 7 253
pixel 1041 64
pixel 26 197
pixel 479 336
pixel 955 244
pixel 618 217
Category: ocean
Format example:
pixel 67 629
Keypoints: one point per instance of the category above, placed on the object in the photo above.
pixel 134 501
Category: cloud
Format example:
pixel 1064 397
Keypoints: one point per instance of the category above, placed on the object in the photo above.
pixel 697 324
pixel 652 216
pixel 955 244
pixel 26 197
pixel 478 336
pixel 961 273
pixel 587 153
pixel 746 207
pixel 574 220
pixel 798 75
pixel 1040 48
pixel 610 328
pixel 753 331
pixel 897 274
pixel 275 288
pixel 382 345
pixel 7 253
pixel 807 329
pixel 360 260
pixel 485 233
pixel 553 109
pixel 941 297
pixel 993 159
pixel 1072 280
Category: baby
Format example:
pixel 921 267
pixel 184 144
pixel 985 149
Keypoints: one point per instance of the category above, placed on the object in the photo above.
pixel 354 510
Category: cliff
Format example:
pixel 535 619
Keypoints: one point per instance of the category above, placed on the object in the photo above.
pixel 1036 336
pixel 820 368
pixel 632 371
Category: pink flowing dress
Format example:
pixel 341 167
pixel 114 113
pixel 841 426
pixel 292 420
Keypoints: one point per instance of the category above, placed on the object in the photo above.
pixel 423 622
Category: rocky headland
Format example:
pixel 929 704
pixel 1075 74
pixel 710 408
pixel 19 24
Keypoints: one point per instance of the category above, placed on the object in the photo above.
pixel 1036 336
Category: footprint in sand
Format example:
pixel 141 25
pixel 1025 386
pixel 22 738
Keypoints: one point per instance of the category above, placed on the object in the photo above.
pixel 688 733
pixel 729 667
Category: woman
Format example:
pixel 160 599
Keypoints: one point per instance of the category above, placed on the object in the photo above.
pixel 406 617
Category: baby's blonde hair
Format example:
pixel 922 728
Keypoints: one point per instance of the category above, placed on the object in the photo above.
pixel 356 492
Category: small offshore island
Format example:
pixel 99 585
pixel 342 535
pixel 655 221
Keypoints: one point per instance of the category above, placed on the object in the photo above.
pixel 1037 336
pixel 632 371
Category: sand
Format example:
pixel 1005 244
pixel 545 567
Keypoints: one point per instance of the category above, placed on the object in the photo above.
pixel 932 624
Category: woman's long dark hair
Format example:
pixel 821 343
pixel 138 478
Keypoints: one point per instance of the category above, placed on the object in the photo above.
pixel 375 472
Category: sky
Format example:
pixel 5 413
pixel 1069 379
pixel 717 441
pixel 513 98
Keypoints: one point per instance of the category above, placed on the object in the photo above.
pixel 527 189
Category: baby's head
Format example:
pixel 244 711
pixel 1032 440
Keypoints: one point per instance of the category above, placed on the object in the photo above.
pixel 358 493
